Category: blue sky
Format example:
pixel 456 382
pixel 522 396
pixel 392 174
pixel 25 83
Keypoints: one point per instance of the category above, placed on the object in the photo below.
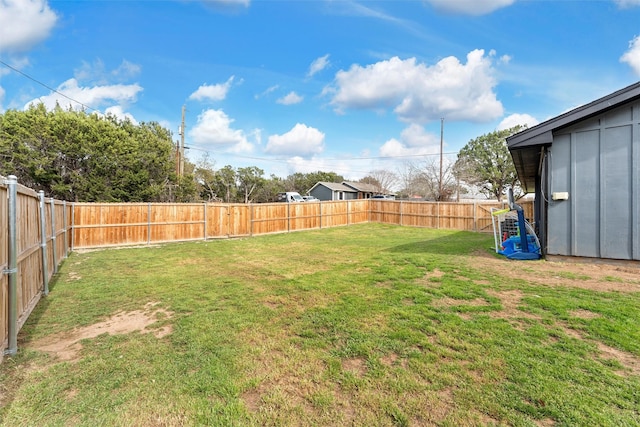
pixel 331 85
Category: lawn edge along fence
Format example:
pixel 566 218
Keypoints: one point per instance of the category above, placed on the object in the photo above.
pixel 37 233
pixel 95 225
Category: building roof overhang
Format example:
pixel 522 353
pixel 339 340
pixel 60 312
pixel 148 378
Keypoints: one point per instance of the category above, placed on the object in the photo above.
pixel 526 146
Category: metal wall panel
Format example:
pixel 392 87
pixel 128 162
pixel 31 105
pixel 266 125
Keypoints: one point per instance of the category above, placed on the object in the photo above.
pixel 597 162
pixel 616 190
pixel 559 212
pixel 585 200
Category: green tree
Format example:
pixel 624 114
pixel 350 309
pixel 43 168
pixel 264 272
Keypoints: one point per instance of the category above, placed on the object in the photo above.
pixel 226 184
pixel 267 193
pixel 249 180
pixel 205 177
pixel 485 162
pixel 76 156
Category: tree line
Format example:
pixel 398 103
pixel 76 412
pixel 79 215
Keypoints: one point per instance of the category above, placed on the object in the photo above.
pixel 76 156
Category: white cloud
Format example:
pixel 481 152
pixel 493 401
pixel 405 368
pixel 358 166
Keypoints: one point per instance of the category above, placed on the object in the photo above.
pixel 290 99
pixel 627 3
pixel 216 92
pixel 420 93
pixel 267 91
pixel 244 3
pixel 301 140
pixel 505 59
pixel 227 6
pixel 214 128
pixel 414 141
pixel 97 73
pixel 343 167
pixel 517 119
pixel 318 65
pixel 24 23
pixel 470 7
pixel 118 111
pixel 92 97
pixel 632 56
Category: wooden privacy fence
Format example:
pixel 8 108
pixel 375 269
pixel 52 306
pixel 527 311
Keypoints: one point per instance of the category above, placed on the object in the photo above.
pixel 471 216
pixel 36 233
pixel 118 224
pixel 34 240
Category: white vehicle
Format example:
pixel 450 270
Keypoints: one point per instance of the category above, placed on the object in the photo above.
pixel 310 199
pixel 289 197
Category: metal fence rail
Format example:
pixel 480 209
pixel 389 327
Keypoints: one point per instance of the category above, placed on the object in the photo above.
pixel 34 236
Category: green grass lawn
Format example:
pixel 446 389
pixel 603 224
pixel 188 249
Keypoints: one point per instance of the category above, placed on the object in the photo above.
pixel 363 325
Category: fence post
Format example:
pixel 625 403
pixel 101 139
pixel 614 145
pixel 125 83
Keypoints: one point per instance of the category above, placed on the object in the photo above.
pixel 73 223
pixel 53 236
pixel 149 223
pixel 348 213
pixel 401 212
pixel 43 245
pixel 251 213
pixel 205 221
pixel 12 270
pixel 288 216
pixel 475 216
pixel 64 225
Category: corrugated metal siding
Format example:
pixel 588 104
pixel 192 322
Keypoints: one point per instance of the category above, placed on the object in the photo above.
pixel 598 163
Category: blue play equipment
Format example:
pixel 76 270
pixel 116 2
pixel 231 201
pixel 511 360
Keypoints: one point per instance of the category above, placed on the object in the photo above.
pixel 517 238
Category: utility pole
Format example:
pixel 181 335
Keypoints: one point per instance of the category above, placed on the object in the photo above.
pixel 181 157
pixel 441 149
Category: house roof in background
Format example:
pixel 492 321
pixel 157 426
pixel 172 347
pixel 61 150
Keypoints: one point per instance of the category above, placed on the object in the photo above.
pixel 361 186
pixel 334 186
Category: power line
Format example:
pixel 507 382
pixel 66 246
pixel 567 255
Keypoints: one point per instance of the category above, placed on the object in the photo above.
pixel 278 160
pixel 49 87
pixel 335 168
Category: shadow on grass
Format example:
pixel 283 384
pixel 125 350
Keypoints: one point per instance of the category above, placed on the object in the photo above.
pixel 455 243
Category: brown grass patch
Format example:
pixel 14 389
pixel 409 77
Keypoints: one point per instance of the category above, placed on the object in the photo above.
pixel 452 302
pixel 355 365
pixel 510 301
pixel 66 345
pixel 594 276
pixel 584 314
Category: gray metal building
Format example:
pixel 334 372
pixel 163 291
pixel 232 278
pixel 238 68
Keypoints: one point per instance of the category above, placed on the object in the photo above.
pixel 584 167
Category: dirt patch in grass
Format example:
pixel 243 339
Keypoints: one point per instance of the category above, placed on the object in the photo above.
pixel 435 273
pixel 629 361
pixel 510 301
pixel 74 276
pixel 593 276
pixel 66 346
pixel 355 365
pixel 584 314
pixel 394 359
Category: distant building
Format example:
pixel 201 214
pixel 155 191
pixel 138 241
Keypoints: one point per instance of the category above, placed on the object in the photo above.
pixel 345 190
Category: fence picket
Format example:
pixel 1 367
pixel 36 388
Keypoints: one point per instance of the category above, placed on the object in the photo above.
pixel 26 268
